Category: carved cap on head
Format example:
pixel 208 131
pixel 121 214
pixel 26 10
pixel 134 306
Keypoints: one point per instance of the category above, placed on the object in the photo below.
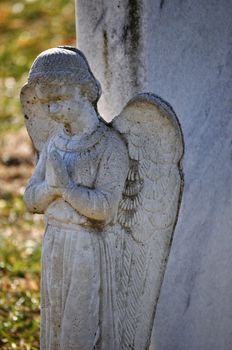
pixel 67 64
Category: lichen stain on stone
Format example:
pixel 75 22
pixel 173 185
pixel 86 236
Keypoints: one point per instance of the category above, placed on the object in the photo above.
pixel 131 33
pixel 124 33
pixel 134 22
pixel 106 58
pixel 99 21
pixel 161 4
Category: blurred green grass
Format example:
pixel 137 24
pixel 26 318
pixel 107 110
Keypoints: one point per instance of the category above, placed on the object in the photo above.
pixel 27 27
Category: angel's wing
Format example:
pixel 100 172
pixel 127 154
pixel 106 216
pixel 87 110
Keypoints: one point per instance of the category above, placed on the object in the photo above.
pixel 147 212
pixel 39 126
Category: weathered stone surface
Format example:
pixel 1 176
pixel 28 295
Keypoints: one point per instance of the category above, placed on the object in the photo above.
pixel 184 54
pixel 110 195
pixel 115 28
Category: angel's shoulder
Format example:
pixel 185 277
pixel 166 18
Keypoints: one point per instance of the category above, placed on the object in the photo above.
pixel 114 141
pixel 115 155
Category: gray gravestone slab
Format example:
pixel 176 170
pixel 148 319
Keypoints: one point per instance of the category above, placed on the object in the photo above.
pixel 183 53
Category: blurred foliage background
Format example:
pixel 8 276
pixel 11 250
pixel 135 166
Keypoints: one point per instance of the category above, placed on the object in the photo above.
pixel 27 27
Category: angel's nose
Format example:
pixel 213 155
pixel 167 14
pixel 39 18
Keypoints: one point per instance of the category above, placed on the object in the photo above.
pixel 54 108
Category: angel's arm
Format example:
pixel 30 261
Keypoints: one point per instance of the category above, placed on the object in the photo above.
pixel 38 195
pixel 101 202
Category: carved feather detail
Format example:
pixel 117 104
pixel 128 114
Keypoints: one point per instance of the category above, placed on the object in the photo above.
pixel 131 283
pixel 128 214
pixel 147 212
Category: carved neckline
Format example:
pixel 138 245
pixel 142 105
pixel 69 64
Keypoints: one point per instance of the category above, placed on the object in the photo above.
pixel 70 143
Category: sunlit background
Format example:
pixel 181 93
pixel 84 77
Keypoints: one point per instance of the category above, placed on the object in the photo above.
pixel 27 27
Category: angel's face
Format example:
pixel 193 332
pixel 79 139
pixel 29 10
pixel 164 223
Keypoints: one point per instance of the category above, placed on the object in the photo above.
pixel 62 102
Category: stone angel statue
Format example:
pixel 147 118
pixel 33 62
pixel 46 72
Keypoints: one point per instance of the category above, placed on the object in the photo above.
pixel 110 193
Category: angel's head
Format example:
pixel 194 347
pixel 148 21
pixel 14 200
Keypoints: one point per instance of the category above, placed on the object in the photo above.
pixel 63 82
pixel 68 65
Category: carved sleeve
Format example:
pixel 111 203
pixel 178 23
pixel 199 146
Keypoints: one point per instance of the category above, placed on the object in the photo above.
pixel 101 202
pixel 37 195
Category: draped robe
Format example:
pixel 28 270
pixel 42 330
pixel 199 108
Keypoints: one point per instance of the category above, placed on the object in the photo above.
pixel 78 310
